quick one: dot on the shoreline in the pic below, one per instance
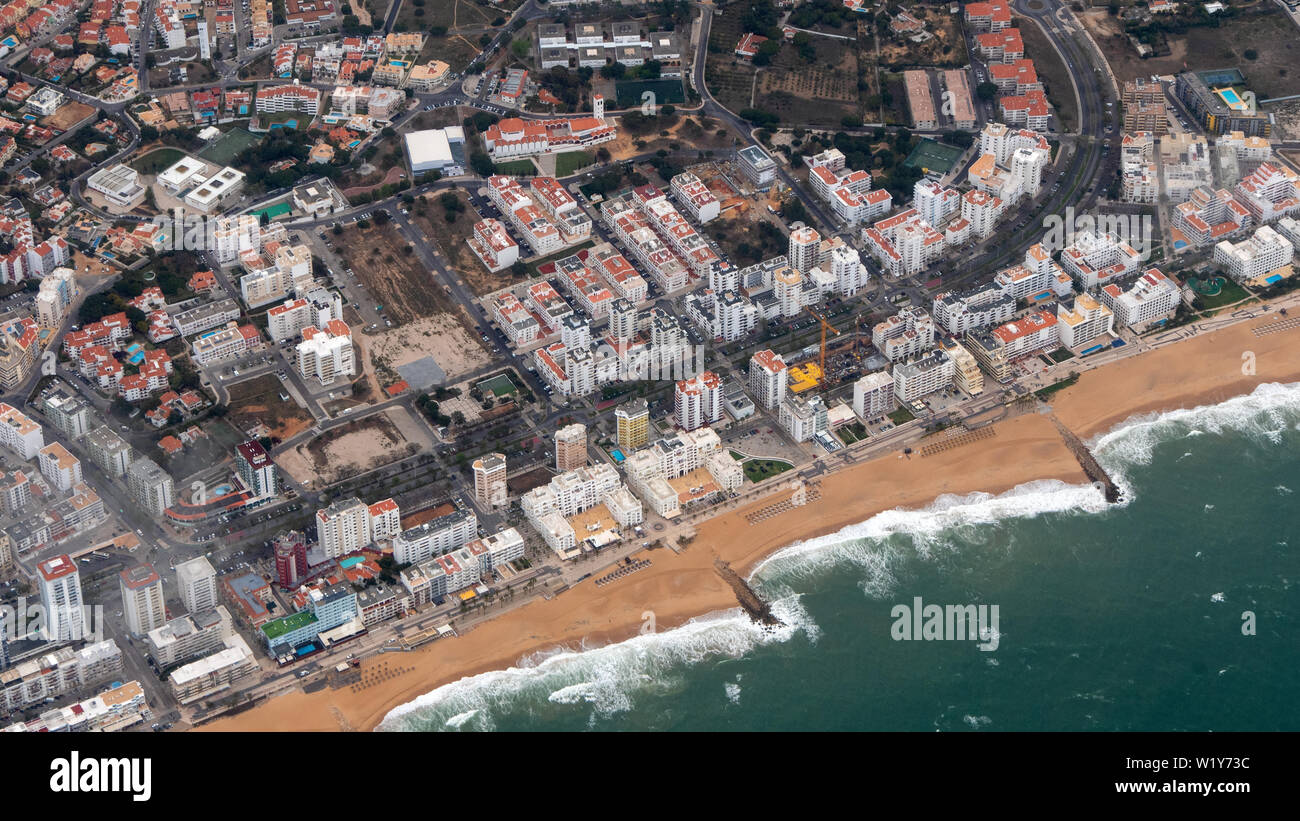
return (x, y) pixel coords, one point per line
(1206, 369)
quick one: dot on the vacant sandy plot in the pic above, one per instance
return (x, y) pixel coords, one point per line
(361, 445)
(258, 400)
(68, 115)
(440, 336)
(392, 273)
(1267, 35)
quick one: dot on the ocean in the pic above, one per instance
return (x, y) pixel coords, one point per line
(1176, 609)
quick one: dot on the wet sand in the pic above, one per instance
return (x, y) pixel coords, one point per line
(677, 587)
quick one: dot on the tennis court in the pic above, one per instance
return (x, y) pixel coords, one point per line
(933, 156)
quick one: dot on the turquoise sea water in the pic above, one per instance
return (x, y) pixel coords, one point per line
(1123, 617)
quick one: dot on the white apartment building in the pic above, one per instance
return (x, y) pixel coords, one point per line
(804, 245)
(143, 603)
(235, 236)
(19, 433)
(873, 395)
(436, 537)
(694, 197)
(151, 486)
(980, 307)
(60, 467)
(1255, 256)
(1151, 298)
(698, 401)
(922, 377)
(196, 581)
(1270, 192)
(905, 243)
(343, 527)
(1085, 320)
(905, 334)
(60, 586)
(490, 480)
(492, 244)
(326, 354)
(803, 418)
(1097, 258)
(768, 378)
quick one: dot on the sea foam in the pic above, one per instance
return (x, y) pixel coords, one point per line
(609, 678)
(1267, 412)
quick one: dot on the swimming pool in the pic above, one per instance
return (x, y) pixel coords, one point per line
(618, 455)
(351, 562)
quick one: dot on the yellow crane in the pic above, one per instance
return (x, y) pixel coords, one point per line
(821, 356)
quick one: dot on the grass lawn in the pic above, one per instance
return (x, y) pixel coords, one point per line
(756, 470)
(1229, 292)
(852, 433)
(901, 416)
(571, 161)
(517, 168)
(157, 160)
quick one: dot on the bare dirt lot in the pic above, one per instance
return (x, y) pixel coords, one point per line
(430, 215)
(361, 445)
(258, 400)
(455, 349)
(392, 273)
(68, 115)
(1267, 33)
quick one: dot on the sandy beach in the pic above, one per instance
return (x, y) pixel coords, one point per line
(677, 587)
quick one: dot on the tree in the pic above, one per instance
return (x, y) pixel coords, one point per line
(482, 164)
(986, 91)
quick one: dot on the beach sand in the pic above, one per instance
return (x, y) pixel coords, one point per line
(677, 587)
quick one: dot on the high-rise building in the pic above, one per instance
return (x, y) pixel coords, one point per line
(873, 395)
(343, 527)
(633, 420)
(1083, 321)
(151, 486)
(698, 401)
(803, 418)
(255, 469)
(143, 602)
(490, 480)
(571, 447)
(768, 378)
(805, 243)
(61, 597)
(290, 559)
(196, 581)
(923, 376)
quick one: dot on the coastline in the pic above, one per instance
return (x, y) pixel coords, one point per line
(1206, 369)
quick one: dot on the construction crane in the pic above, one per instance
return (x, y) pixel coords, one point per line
(821, 356)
